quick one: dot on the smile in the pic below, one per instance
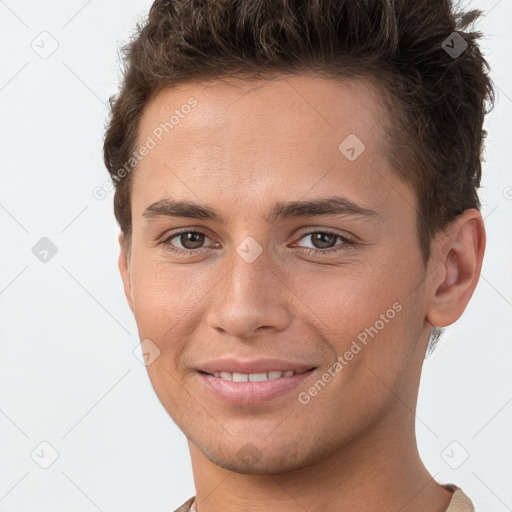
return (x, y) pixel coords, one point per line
(253, 377)
(253, 388)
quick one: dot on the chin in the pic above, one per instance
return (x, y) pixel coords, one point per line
(252, 460)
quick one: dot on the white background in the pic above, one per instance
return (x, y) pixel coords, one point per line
(68, 374)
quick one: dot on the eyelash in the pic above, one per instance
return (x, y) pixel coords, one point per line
(307, 250)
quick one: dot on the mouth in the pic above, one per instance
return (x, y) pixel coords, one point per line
(256, 377)
(251, 389)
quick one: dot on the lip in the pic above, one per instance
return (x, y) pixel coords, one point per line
(252, 393)
(233, 365)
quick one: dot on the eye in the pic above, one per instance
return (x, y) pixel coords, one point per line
(325, 242)
(191, 242)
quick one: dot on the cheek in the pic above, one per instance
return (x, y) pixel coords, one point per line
(371, 325)
(347, 299)
(171, 306)
(164, 301)
(365, 312)
(165, 308)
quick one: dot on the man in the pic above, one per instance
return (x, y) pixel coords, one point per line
(296, 186)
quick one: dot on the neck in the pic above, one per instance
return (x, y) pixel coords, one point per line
(361, 478)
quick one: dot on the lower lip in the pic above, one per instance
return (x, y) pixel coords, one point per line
(252, 393)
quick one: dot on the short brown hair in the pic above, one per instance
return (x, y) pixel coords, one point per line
(435, 100)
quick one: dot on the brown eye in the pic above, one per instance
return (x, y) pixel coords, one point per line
(322, 240)
(191, 239)
(185, 242)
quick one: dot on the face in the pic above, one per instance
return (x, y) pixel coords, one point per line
(302, 247)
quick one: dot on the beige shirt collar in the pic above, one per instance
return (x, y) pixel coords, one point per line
(459, 502)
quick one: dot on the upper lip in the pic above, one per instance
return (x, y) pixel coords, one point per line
(232, 365)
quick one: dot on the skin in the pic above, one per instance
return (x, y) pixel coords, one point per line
(245, 146)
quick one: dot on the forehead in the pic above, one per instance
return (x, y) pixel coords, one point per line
(256, 139)
(259, 107)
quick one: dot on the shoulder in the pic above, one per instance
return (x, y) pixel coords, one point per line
(186, 506)
(460, 502)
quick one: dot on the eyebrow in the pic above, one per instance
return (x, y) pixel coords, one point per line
(336, 205)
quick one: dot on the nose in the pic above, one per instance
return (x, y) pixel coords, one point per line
(252, 297)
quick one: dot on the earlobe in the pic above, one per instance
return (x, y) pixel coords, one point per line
(124, 269)
(456, 264)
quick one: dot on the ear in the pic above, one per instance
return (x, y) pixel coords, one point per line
(124, 268)
(454, 268)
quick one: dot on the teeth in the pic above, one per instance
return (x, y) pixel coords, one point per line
(253, 377)
(239, 377)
